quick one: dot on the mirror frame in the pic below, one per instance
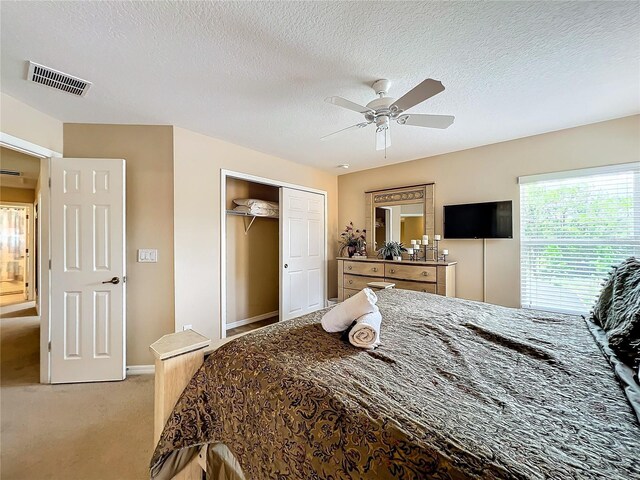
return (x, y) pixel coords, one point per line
(399, 196)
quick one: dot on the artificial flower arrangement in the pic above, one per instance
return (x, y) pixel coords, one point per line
(353, 241)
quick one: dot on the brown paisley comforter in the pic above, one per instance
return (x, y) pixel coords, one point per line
(458, 389)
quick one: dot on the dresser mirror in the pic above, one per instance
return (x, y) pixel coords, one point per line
(399, 214)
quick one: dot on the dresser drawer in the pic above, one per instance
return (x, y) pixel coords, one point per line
(417, 286)
(418, 273)
(348, 292)
(364, 268)
(357, 282)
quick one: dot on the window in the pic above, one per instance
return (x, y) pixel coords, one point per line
(573, 227)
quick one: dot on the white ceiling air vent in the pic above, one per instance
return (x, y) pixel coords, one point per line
(58, 80)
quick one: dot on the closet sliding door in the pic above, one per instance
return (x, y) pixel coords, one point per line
(302, 272)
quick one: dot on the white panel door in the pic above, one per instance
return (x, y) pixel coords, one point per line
(87, 270)
(303, 268)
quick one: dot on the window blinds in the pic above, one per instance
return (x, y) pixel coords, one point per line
(574, 226)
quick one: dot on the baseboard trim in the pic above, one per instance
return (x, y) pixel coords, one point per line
(257, 318)
(141, 369)
(15, 307)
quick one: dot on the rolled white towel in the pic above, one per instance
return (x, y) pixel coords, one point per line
(340, 317)
(366, 332)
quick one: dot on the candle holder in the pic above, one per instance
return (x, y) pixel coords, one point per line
(432, 253)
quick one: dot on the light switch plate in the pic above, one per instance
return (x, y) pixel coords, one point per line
(147, 255)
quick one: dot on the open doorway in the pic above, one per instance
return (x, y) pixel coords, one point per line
(15, 237)
(18, 195)
(20, 322)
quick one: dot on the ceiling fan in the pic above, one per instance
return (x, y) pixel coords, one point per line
(382, 110)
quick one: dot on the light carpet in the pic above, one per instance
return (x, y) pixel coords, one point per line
(90, 431)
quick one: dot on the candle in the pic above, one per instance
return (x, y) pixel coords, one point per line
(436, 237)
(425, 239)
(413, 242)
(445, 252)
(410, 251)
(418, 242)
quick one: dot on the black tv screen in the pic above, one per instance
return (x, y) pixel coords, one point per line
(479, 220)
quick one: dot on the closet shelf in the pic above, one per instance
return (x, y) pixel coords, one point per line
(253, 218)
(243, 214)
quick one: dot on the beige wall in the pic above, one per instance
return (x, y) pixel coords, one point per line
(148, 151)
(490, 173)
(197, 163)
(22, 121)
(20, 195)
(28, 165)
(252, 259)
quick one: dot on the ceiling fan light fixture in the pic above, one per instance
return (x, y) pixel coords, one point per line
(343, 165)
(382, 122)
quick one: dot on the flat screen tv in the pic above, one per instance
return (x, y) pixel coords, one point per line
(479, 220)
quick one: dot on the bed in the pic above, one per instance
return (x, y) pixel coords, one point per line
(457, 390)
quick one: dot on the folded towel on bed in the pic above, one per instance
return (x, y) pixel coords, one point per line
(366, 332)
(342, 315)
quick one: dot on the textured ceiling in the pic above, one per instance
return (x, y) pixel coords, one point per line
(256, 73)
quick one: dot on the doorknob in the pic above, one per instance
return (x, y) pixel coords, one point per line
(114, 280)
(286, 265)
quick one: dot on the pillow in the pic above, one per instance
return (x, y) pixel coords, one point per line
(258, 211)
(249, 202)
(243, 209)
(617, 310)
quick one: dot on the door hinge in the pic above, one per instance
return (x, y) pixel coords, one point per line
(124, 279)
(49, 182)
(49, 264)
(49, 345)
(26, 284)
(27, 216)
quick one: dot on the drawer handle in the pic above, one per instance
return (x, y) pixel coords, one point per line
(424, 290)
(350, 282)
(425, 274)
(374, 269)
(349, 267)
(393, 271)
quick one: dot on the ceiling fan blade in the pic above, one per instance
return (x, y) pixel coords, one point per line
(430, 121)
(344, 103)
(383, 139)
(418, 94)
(358, 125)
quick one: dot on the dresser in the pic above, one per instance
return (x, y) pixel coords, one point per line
(429, 277)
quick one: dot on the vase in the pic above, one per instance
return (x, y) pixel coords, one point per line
(351, 251)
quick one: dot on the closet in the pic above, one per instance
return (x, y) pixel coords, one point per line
(252, 255)
(274, 251)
